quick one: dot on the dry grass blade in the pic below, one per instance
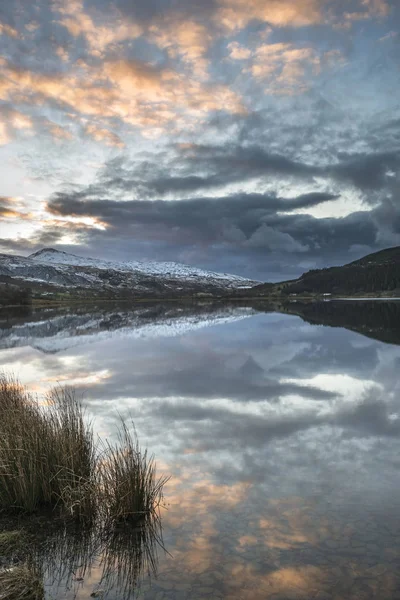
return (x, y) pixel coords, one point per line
(47, 453)
(49, 460)
(21, 583)
(128, 481)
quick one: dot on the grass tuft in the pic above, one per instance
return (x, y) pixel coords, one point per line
(47, 453)
(49, 460)
(129, 486)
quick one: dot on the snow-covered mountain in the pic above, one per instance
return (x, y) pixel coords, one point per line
(158, 269)
(51, 270)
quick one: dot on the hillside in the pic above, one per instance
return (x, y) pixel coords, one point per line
(377, 273)
(57, 274)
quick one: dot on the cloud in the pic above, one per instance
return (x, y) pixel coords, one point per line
(186, 40)
(284, 67)
(133, 92)
(237, 14)
(8, 30)
(223, 131)
(11, 122)
(234, 232)
(4, 135)
(238, 52)
(195, 168)
(8, 208)
(268, 237)
(103, 135)
(99, 35)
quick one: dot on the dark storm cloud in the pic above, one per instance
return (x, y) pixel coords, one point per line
(246, 225)
(185, 212)
(205, 167)
(243, 236)
(243, 221)
(227, 165)
(366, 171)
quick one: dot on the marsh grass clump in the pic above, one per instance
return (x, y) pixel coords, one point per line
(47, 452)
(52, 468)
(50, 460)
(21, 582)
(129, 485)
(13, 542)
(72, 457)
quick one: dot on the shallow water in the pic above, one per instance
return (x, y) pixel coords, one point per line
(281, 439)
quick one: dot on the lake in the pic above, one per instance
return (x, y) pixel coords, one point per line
(280, 432)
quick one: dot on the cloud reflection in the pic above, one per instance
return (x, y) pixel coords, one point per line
(282, 439)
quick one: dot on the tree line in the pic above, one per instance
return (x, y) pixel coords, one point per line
(349, 280)
(14, 295)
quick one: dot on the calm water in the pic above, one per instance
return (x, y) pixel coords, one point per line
(281, 439)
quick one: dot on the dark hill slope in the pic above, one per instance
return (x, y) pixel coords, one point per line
(387, 256)
(375, 273)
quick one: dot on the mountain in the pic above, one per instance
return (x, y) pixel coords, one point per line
(377, 273)
(61, 276)
(52, 272)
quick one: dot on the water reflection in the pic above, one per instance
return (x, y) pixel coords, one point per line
(87, 560)
(282, 438)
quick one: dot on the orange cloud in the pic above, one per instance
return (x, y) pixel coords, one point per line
(284, 67)
(10, 122)
(238, 52)
(366, 9)
(136, 93)
(104, 135)
(19, 120)
(62, 53)
(8, 30)
(236, 14)
(9, 209)
(185, 40)
(76, 223)
(58, 132)
(378, 8)
(99, 35)
(32, 26)
(79, 378)
(4, 135)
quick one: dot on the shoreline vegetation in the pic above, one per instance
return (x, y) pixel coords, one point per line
(53, 471)
(283, 299)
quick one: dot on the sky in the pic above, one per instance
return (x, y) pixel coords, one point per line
(258, 137)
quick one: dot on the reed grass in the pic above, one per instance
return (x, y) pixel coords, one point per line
(47, 453)
(49, 459)
(129, 485)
